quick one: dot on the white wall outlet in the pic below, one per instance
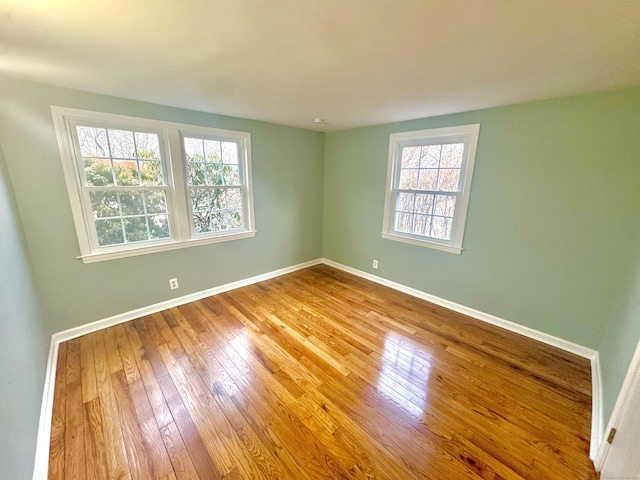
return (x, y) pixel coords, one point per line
(375, 263)
(173, 283)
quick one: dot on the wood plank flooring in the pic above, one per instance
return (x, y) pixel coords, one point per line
(317, 375)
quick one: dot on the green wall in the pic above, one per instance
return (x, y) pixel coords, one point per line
(24, 344)
(621, 337)
(287, 174)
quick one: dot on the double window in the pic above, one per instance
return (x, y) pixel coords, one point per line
(140, 186)
(428, 186)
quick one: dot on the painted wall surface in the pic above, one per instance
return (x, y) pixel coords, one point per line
(620, 338)
(23, 356)
(287, 175)
(553, 220)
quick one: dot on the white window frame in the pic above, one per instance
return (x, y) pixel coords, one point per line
(467, 134)
(178, 205)
(206, 134)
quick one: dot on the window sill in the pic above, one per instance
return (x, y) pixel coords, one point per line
(163, 247)
(422, 243)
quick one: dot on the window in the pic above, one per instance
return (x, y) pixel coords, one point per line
(428, 185)
(140, 186)
(214, 184)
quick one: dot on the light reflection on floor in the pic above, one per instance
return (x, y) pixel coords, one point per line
(238, 347)
(404, 374)
(241, 345)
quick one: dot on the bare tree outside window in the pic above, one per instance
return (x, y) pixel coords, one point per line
(428, 186)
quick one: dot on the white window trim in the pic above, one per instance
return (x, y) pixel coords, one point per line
(464, 133)
(171, 146)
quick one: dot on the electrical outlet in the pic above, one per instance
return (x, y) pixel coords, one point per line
(173, 283)
(375, 263)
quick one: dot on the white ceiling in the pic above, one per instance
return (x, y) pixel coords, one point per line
(351, 62)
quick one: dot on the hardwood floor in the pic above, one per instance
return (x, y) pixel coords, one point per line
(317, 375)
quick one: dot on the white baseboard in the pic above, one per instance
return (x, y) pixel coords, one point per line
(597, 416)
(622, 402)
(585, 352)
(41, 467)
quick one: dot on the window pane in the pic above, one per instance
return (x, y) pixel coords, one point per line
(422, 224)
(231, 175)
(218, 221)
(430, 156)
(217, 199)
(452, 155)
(121, 143)
(126, 172)
(408, 178)
(234, 198)
(151, 173)
(404, 222)
(410, 157)
(98, 172)
(156, 201)
(193, 149)
(428, 179)
(424, 203)
(234, 218)
(200, 200)
(405, 202)
(131, 203)
(449, 179)
(159, 226)
(109, 232)
(444, 205)
(441, 228)
(214, 174)
(202, 221)
(212, 151)
(104, 204)
(147, 146)
(195, 174)
(93, 142)
(230, 152)
(135, 229)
